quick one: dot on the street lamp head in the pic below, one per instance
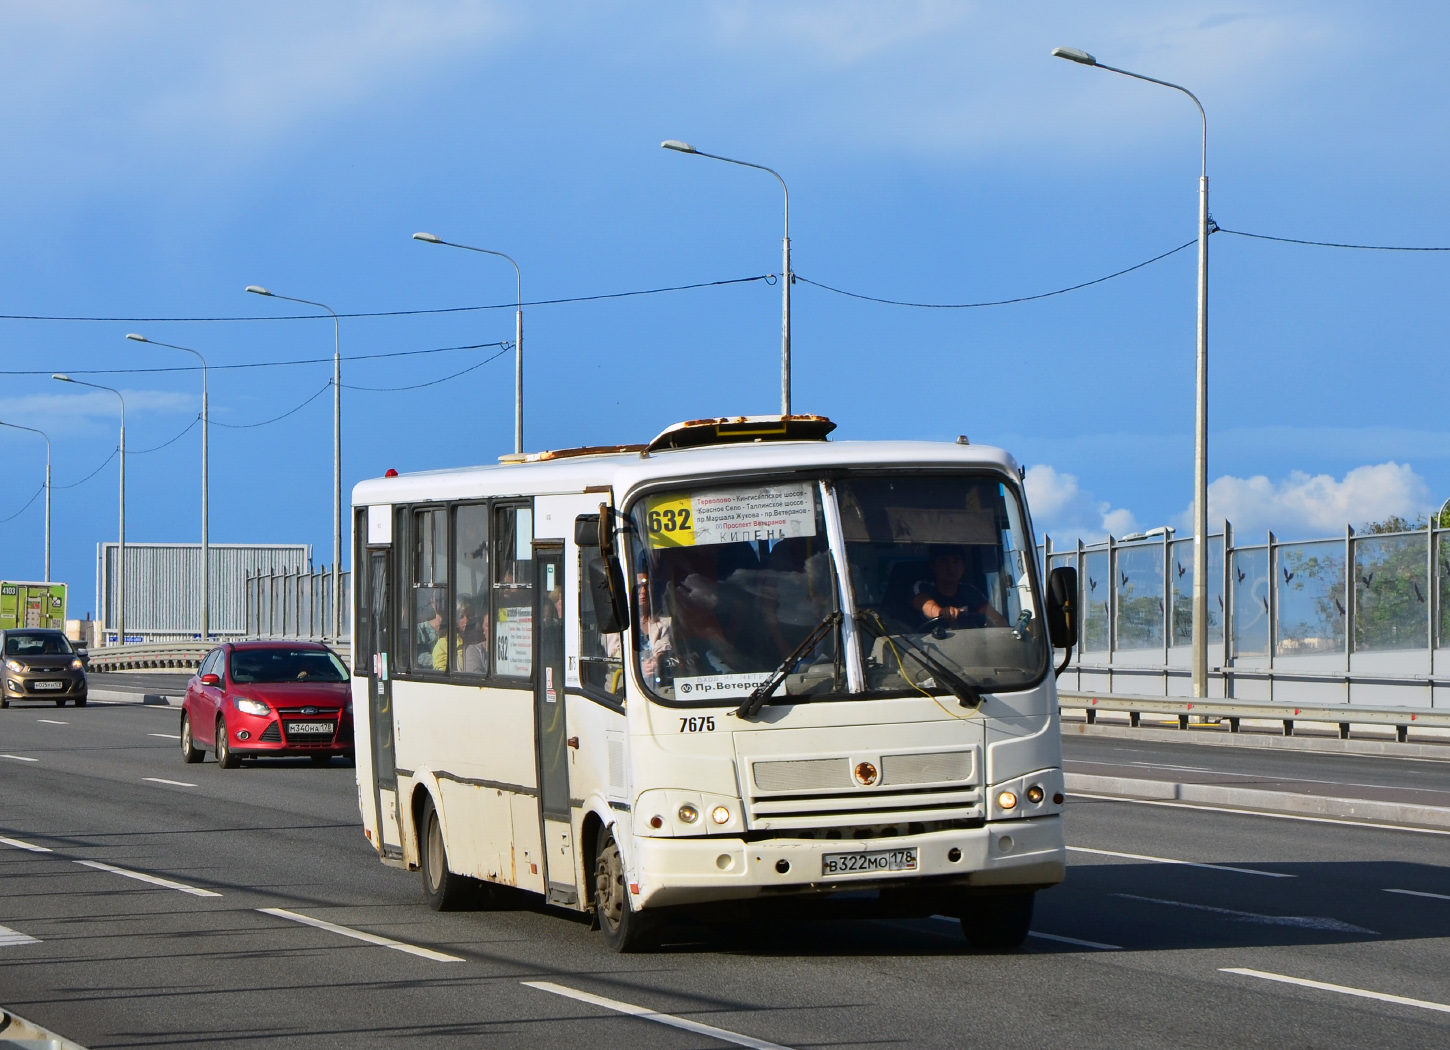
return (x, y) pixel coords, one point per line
(1072, 54)
(428, 237)
(257, 289)
(62, 377)
(138, 338)
(678, 146)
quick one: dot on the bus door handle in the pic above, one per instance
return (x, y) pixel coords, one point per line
(573, 742)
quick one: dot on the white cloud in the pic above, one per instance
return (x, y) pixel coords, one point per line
(62, 413)
(1061, 507)
(1305, 506)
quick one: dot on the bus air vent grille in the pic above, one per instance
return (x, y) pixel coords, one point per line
(803, 774)
(937, 767)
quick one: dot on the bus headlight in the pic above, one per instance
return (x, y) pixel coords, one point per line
(720, 815)
(689, 814)
(1034, 794)
(1007, 800)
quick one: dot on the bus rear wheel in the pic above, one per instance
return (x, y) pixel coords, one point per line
(624, 929)
(997, 922)
(446, 890)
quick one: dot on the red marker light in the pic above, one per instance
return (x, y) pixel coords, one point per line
(391, 473)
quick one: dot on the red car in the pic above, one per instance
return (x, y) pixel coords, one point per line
(249, 699)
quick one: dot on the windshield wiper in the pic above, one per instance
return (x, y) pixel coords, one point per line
(757, 699)
(966, 691)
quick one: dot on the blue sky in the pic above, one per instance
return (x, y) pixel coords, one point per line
(159, 157)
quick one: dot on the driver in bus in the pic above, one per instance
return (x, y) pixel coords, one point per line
(950, 598)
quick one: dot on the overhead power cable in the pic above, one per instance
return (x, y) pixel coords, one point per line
(248, 426)
(77, 484)
(26, 506)
(431, 382)
(512, 304)
(157, 448)
(254, 364)
(1333, 244)
(999, 302)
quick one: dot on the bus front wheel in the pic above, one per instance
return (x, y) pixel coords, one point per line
(997, 922)
(446, 890)
(624, 929)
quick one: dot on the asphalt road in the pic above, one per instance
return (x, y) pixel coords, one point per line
(1129, 952)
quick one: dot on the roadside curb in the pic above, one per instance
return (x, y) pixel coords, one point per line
(1220, 738)
(1258, 798)
(17, 1031)
(117, 696)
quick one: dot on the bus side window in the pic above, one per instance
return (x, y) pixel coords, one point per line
(601, 656)
(470, 590)
(512, 635)
(430, 588)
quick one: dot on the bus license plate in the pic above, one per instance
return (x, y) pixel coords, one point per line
(876, 860)
(48, 685)
(312, 728)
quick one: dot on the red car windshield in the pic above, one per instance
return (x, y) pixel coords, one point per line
(286, 665)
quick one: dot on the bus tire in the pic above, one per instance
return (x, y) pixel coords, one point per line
(190, 753)
(997, 922)
(446, 890)
(624, 929)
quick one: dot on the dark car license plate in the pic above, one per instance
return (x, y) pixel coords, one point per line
(38, 686)
(311, 728)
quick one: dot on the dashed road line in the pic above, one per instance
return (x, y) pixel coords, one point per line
(1074, 940)
(1262, 813)
(173, 783)
(20, 758)
(19, 844)
(166, 736)
(1302, 922)
(1342, 989)
(359, 935)
(1186, 863)
(154, 880)
(52, 722)
(653, 1015)
(1422, 893)
(11, 938)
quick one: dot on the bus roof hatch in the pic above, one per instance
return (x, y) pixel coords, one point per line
(729, 430)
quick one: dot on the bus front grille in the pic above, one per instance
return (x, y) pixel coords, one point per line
(782, 812)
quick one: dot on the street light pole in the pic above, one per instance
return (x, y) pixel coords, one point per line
(205, 485)
(17, 426)
(1200, 429)
(336, 451)
(786, 273)
(121, 546)
(428, 238)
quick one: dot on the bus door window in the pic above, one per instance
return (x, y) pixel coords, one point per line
(513, 596)
(601, 656)
(429, 600)
(470, 590)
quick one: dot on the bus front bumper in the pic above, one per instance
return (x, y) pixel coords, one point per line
(1003, 854)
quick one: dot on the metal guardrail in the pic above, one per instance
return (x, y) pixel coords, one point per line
(166, 656)
(1232, 711)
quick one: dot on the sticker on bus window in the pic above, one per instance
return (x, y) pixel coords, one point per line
(710, 686)
(514, 641)
(765, 512)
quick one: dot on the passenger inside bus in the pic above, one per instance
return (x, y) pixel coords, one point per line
(469, 645)
(948, 597)
(432, 625)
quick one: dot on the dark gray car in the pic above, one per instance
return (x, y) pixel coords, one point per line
(40, 664)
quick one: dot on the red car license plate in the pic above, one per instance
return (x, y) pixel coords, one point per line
(311, 728)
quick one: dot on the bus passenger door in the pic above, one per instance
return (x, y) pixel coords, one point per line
(552, 727)
(380, 703)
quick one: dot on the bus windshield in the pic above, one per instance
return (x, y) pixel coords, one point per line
(730, 581)
(939, 570)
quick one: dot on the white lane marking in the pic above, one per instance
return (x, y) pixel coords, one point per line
(1051, 937)
(1302, 922)
(20, 758)
(1422, 893)
(1073, 940)
(1263, 813)
(155, 880)
(1250, 776)
(359, 935)
(652, 1015)
(1186, 863)
(173, 783)
(1342, 989)
(166, 736)
(11, 938)
(52, 722)
(18, 844)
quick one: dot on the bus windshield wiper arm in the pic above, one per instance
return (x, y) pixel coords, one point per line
(960, 686)
(757, 699)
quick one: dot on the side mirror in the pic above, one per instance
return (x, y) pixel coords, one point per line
(1062, 607)
(211, 679)
(606, 579)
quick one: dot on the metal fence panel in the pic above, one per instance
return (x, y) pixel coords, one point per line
(1309, 582)
(1138, 581)
(1249, 601)
(1391, 592)
(1095, 581)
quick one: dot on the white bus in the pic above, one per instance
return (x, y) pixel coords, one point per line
(741, 662)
